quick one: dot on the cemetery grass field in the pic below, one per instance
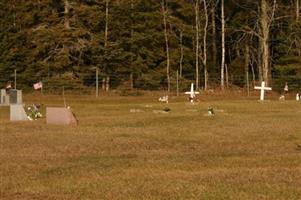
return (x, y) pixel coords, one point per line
(248, 150)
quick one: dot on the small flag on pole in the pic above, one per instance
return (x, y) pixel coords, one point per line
(8, 86)
(38, 85)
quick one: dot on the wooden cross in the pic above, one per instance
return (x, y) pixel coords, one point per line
(262, 89)
(192, 93)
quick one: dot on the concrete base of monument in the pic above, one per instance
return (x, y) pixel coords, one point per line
(60, 116)
(17, 113)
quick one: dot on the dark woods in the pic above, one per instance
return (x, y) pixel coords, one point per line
(147, 43)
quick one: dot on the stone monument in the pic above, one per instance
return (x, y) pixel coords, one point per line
(15, 96)
(60, 116)
(11, 97)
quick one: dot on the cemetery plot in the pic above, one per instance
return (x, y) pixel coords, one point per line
(247, 150)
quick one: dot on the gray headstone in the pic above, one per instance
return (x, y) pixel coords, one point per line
(15, 96)
(2, 96)
(17, 113)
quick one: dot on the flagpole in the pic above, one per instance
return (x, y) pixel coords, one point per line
(41, 88)
(64, 96)
(15, 79)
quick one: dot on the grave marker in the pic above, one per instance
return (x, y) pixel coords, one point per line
(4, 98)
(60, 116)
(164, 99)
(192, 93)
(262, 89)
(13, 97)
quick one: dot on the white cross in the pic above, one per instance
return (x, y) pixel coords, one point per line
(192, 93)
(262, 89)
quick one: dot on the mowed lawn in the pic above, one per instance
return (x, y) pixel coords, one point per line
(248, 150)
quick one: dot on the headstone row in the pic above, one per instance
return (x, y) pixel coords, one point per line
(54, 115)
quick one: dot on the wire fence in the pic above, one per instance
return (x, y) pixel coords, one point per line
(89, 83)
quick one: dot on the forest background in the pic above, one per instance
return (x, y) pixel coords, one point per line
(149, 44)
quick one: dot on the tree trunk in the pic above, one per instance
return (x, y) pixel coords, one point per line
(264, 40)
(253, 74)
(182, 53)
(164, 11)
(103, 83)
(227, 76)
(66, 14)
(297, 10)
(197, 45)
(106, 24)
(14, 14)
(214, 49)
(132, 80)
(132, 36)
(259, 64)
(108, 83)
(205, 47)
(107, 80)
(223, 47)
(247, 62)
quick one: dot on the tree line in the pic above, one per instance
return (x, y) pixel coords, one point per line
(141, 43)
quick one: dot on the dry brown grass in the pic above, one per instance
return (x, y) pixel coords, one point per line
(247, 151)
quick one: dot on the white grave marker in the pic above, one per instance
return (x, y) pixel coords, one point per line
(192, 93)
(164, 99)
(262, 89)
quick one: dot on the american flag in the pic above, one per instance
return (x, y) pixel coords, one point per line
(38, 85)
(8, 86)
